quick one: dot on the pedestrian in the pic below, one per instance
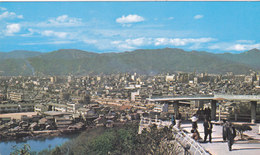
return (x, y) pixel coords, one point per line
(224, 132)
(194, 120)
(173, 120)
(207, 113)
(178, 121)
(194, 130)
(207, 129)
(230, 134)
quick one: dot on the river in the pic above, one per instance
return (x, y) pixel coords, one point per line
(35, 144)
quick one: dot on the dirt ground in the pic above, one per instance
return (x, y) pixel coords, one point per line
(18, 115)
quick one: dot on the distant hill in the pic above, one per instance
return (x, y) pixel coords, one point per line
(16, 63)
(251, 58)
(78, 62)
(18, 54)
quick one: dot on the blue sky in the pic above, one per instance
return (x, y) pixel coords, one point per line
(126, 26)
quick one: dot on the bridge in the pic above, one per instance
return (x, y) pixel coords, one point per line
(253, 99)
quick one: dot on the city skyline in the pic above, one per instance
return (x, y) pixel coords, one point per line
(125, 26)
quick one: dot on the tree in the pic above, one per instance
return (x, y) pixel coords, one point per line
(25, 150)
(242, 128)
(56, 151)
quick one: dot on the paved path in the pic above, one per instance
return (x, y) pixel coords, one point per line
(218, 147)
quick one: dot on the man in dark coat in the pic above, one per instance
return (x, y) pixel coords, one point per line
(173, 120)
(207, 129)
(224, 133)
(230, 134)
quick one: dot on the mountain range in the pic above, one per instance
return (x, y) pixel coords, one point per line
(78, 62)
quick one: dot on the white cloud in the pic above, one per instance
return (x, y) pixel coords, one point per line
(243, 46)
(198, 16)
(61, 21)
(30, 33)
(139, 42)
(90, 41)
(122, 45)
(246, 41)
(125, 47)
(181, 42)
(49, 43)
(133, 42)
(11, 29)
(170, 18)
(50, 33)
(215, 47)
(10, 15)
(2, 9)
(127, 20)
(65, 19)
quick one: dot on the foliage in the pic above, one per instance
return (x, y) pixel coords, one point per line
(119, 140)
(24, 150)
(242, 128)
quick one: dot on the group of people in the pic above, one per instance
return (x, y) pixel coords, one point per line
(207, 128)
(203, 112)
(228, 133)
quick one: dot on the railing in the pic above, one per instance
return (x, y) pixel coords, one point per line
(189, 144)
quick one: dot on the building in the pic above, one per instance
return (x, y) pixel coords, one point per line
(14, 96)
(72, 107)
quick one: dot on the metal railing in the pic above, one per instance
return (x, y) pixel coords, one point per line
(188, 143)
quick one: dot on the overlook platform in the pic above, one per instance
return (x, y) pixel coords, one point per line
(218, 147)
(253, 99)
(205, 97)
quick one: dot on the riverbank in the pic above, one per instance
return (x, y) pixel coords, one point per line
(37, 144)
(28, 135)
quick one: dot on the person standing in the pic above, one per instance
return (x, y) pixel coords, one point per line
(178, 121)
(194, 130)
(207, 129)
(230, 134)
(194, 120)
(173, 120)
(224, 131)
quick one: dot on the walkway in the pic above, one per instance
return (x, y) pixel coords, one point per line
(218, 147)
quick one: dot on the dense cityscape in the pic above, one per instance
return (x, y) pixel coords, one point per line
(72, 103)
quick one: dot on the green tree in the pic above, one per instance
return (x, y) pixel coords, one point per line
(24, 150)
(241, 128)
(56, 151)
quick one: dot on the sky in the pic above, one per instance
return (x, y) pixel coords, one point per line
(126, 26)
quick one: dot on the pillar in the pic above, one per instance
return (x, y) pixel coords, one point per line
(201, 104)
(253, 111)
(213, 109)
(176, 108)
